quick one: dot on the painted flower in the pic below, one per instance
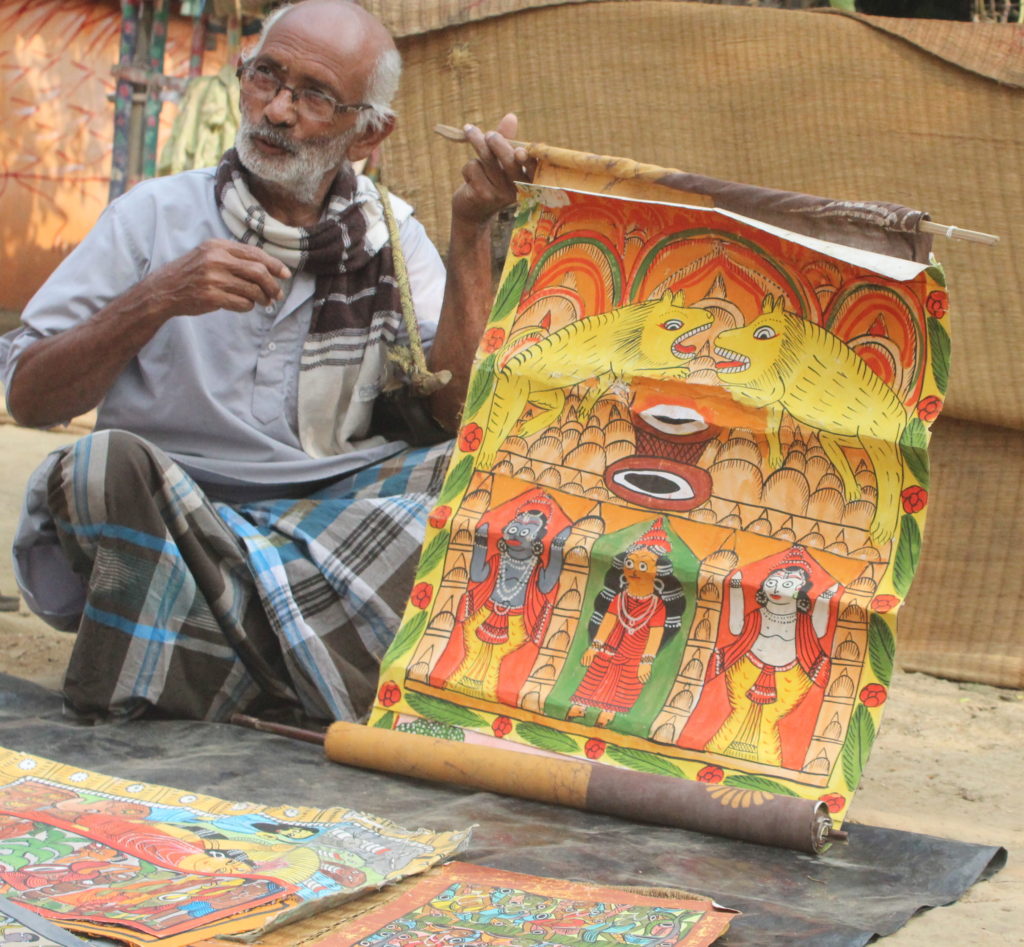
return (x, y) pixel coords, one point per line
(439, 516)
(501, 726)
(835, 801)
(937, 303)
(928, 408)
(884, 603)
(711, 774)
(522, 242)
(914, 498)
(470, 437)
(494, 339)
(422, 593)
(389, 694)
(873, 695)
(595, 749)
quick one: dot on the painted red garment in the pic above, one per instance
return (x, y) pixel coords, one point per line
(515, 667)
(797, 728)
(611, 681)
(537, 608)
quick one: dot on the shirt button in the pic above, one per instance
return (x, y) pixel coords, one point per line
(270, 308)
(271, 346)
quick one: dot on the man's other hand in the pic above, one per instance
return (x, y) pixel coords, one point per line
(489, 178)
(218, 274)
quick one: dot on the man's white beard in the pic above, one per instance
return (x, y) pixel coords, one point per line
(301, 170)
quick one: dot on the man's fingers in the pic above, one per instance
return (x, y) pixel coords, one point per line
(257, 273)
(235, 303)
(258, 255)
(508, 127)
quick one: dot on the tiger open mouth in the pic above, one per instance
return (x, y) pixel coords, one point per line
(679, 350)
(733, 361)
(674, 419)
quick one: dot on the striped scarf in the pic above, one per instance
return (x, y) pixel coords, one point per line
(357, 309)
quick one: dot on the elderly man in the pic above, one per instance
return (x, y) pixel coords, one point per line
(237, 536)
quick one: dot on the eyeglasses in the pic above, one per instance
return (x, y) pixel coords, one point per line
(261, 83)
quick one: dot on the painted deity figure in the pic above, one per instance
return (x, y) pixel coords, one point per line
(774, 659)
(637, 609)
(503, 616)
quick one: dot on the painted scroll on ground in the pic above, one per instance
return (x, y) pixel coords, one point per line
(147, 864)
(686, 502)
(476, 906)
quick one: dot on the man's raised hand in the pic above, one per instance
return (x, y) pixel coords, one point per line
(489, 178)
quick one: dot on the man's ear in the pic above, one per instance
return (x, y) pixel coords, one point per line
(365, 142)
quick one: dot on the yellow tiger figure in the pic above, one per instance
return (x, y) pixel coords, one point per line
(648, 339)
(785, 363)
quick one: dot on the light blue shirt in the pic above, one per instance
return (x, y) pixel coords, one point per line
(217, 392)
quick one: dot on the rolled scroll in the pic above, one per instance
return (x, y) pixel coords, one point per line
(748, 815)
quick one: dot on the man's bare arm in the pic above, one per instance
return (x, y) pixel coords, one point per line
(488, 186)
(67, 374)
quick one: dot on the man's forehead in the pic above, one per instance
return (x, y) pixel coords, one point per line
(326, 39)
(336, 26)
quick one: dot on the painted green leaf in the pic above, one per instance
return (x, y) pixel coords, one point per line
(433, 728)
(881, 648)
(522, 217)
(457, 480)
(936, 273)
(547, 738)
(857, 747)
(908, 552)
(433, 708)
(643, 761)
(938, 340)
(509, 292)
(480, 386)
(914, 445)
(758, 784)
(387, 720)
(407, 636)
(433, 554)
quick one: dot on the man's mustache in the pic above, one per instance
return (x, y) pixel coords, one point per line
(272, 136)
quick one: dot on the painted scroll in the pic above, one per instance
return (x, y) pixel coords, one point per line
(686, 504)
(472, 905)
(145, 863)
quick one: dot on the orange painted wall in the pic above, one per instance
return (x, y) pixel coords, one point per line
(56, 128)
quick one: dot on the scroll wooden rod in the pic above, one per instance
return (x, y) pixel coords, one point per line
(451, 133)
(958, 233)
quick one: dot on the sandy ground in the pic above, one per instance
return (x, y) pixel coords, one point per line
(946, 762)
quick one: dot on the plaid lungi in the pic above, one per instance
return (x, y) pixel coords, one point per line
(202, 609)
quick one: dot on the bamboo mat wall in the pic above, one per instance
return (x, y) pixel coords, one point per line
(819, 103)
(799, 101)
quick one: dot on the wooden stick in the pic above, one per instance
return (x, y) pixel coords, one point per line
(451, 133)
(457, 134)
(295, 733)
(958, 233)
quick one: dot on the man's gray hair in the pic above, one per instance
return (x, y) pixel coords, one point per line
(380, 88)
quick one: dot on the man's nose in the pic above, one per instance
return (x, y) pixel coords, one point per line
(281, 110)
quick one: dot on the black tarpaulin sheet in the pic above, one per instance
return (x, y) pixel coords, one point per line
(868, 886)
